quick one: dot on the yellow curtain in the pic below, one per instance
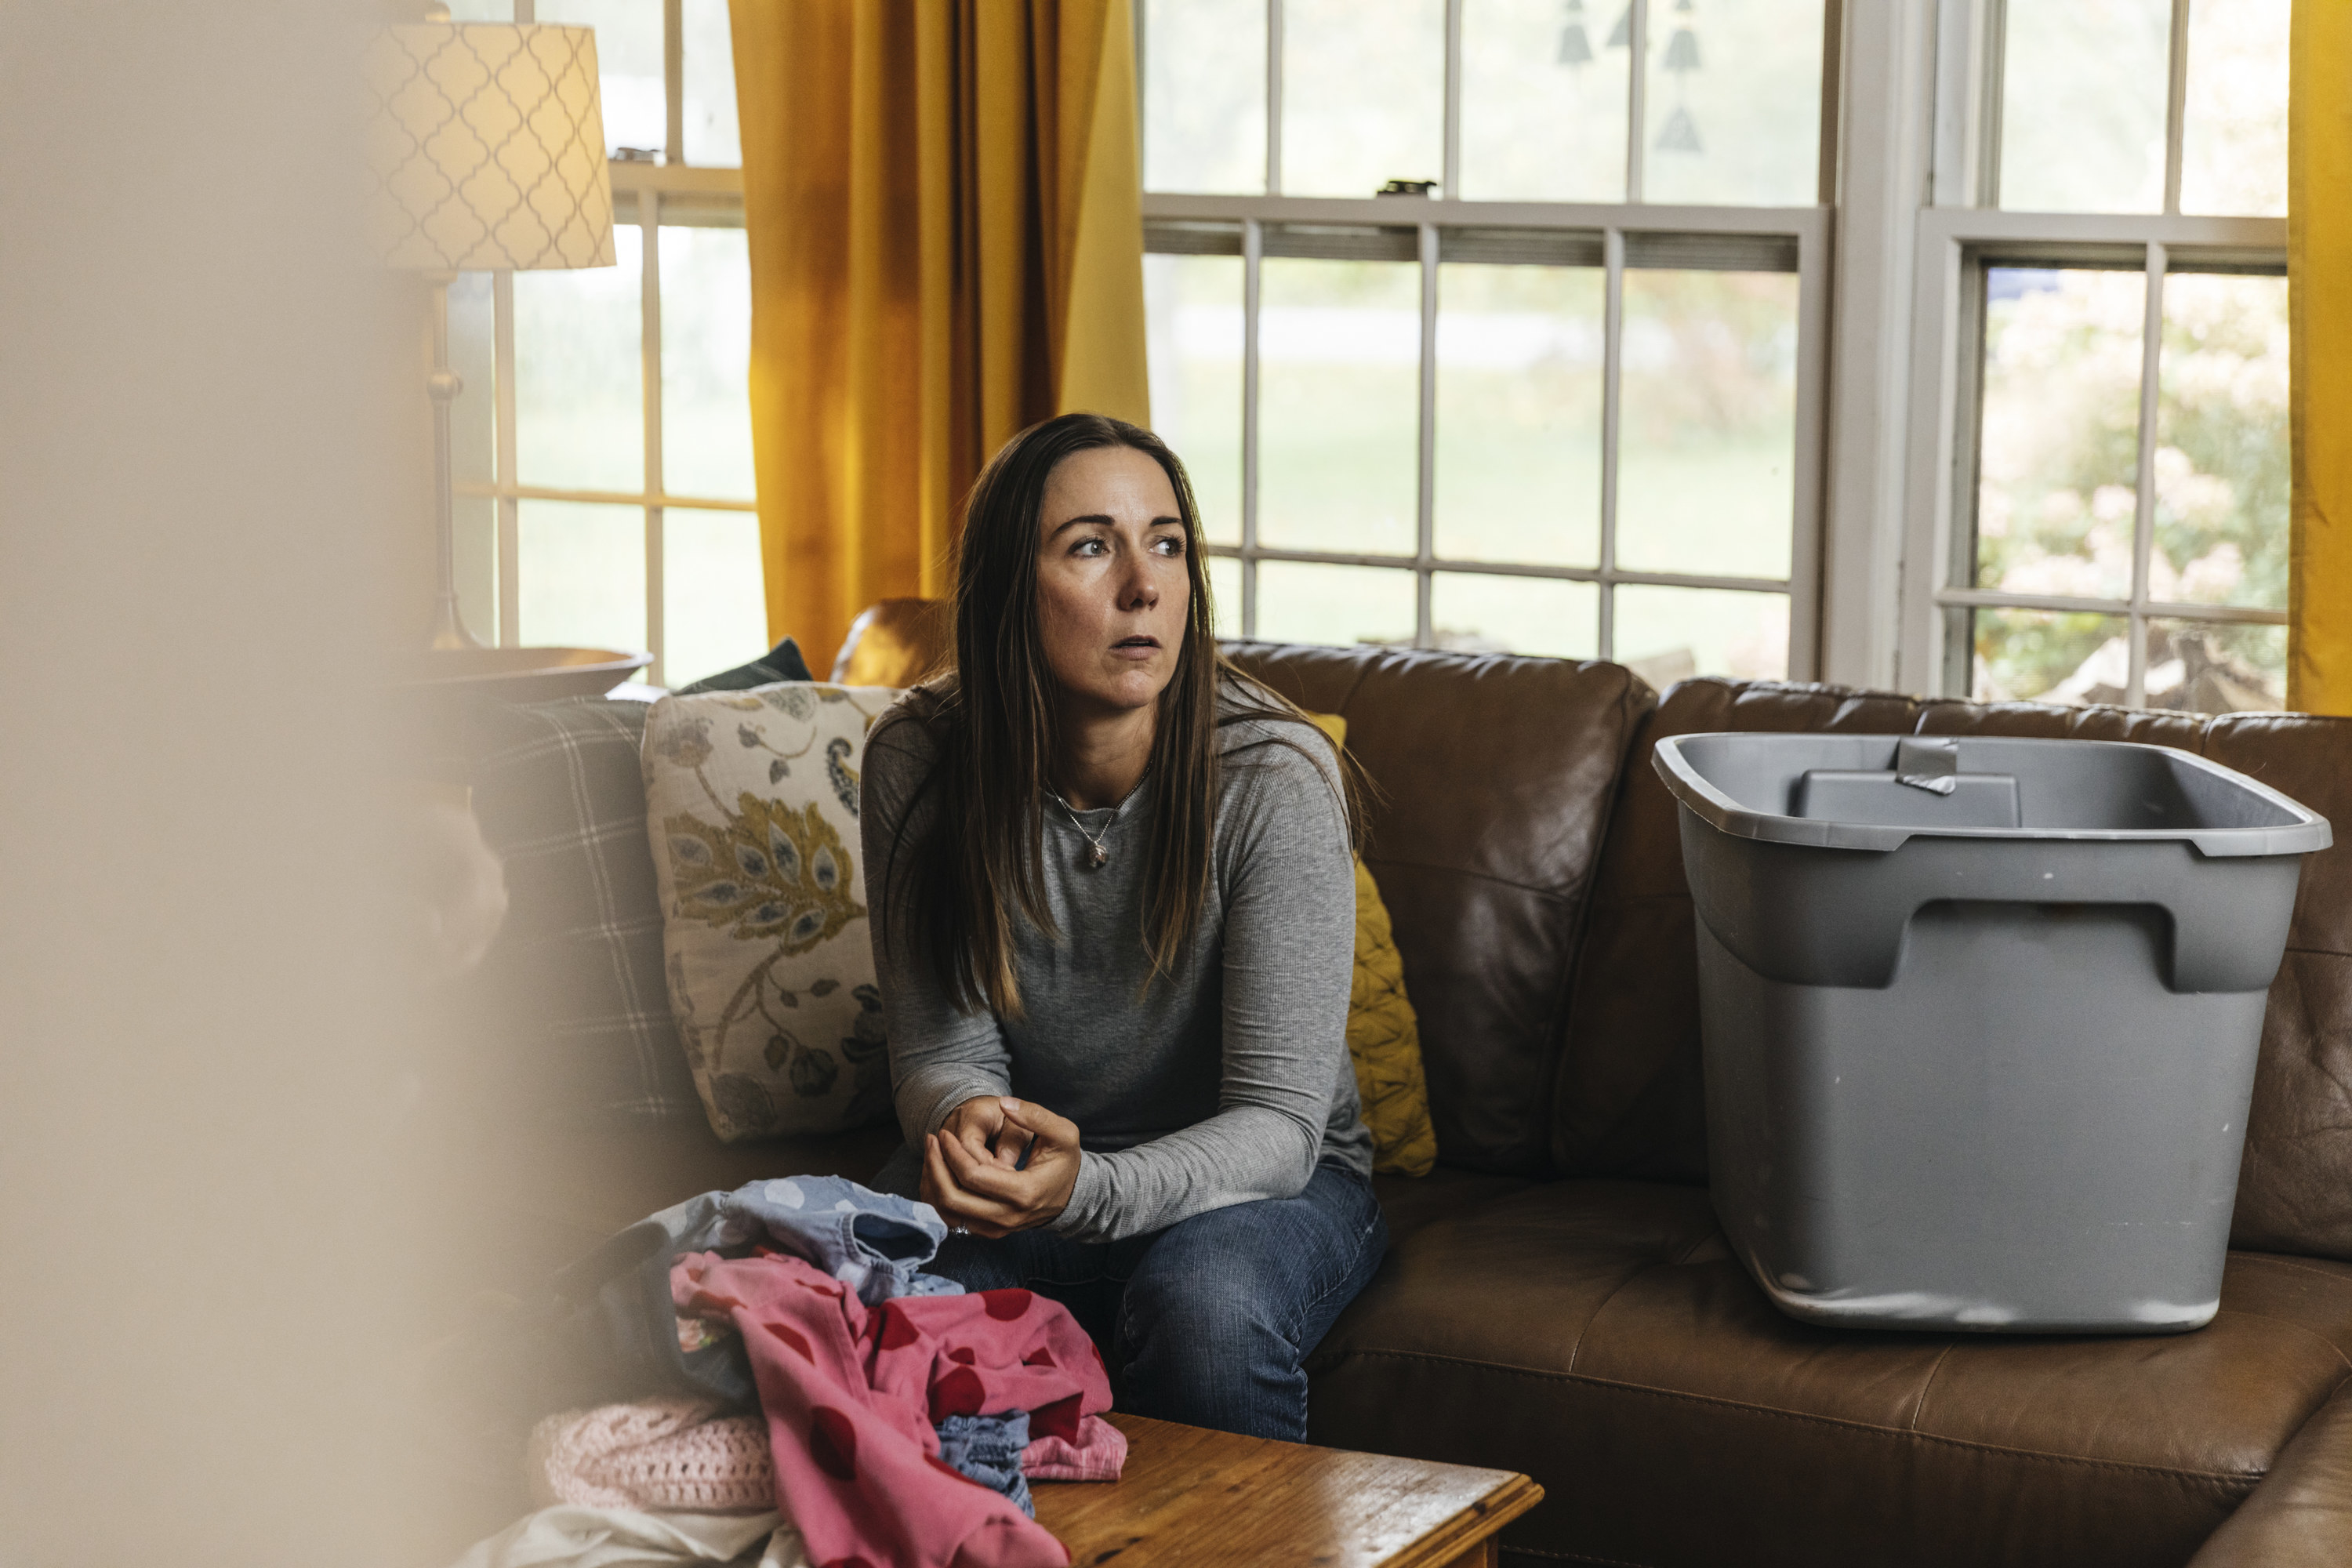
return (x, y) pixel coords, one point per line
(2320, 288)
(946, 246)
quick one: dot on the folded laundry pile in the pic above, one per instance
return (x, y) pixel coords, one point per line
(797, 1378)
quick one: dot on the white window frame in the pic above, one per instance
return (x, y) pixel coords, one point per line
(1188, 224)
(1958, 235)
(1885, 350)
(651, 195)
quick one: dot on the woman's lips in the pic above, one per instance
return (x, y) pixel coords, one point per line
(1137, 648)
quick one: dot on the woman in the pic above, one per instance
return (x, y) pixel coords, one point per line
(1114, 912)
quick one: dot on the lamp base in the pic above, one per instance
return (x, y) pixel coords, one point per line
(449, 633)
(520, 674)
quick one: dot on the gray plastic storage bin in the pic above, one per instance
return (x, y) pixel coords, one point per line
(1980, 1018)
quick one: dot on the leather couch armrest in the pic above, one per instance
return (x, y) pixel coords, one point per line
(2301, 1515)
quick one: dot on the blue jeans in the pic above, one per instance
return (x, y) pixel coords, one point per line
(1209, 1322)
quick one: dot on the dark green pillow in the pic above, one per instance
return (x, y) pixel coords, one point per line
(782, 662)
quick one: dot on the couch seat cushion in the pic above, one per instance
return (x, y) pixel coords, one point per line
(1410, 1202)
(1599, 1336)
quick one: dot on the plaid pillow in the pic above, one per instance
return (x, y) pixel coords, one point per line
(578, 968)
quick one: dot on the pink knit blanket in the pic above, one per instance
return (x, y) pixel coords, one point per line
(661, 1454)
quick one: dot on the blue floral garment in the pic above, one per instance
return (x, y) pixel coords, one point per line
(987, 1449)
(875, 1243)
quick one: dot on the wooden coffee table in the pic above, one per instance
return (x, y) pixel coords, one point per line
(1191, 1496)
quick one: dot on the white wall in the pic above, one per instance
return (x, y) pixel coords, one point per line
(204, 551)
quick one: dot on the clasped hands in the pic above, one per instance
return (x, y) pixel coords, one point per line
(998, 1164)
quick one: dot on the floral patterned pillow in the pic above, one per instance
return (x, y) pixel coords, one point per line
(751, 808)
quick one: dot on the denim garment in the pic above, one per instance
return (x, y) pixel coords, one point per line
(987, 1449)
(1211, 1320)
(875, 1243)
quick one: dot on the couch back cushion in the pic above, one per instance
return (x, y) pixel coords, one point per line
(1629, 1098)
(1494, 779)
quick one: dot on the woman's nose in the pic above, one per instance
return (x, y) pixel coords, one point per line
(1137, 592)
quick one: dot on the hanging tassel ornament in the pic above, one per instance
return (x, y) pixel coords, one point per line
(1575, 49)
(1680, 132)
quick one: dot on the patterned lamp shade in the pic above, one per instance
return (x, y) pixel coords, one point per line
(489, 148)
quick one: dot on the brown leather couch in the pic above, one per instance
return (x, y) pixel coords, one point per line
(1558, 1299)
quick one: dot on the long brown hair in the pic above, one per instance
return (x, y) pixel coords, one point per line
(995, 727)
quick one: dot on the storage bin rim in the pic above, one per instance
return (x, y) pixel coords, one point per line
(2307, 832)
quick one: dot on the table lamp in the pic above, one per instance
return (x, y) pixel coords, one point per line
(488, 145)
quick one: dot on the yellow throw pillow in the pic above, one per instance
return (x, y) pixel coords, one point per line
(1383, 1035)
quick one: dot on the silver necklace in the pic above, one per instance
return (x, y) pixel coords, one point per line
(1097, 854)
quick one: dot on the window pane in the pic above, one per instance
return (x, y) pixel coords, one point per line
(1363, 95)
(1706, 454)
(712, 137)
(1471, 613)
(629, 59)
(580, 419)
(2208, 667)
(2032, 655)
(2082, 115)
(582, 582)
(2221, 443)
(1302, 603)
(706, 284)
(714, 607)
(2058, 462)
(2233, 138)
(1225, 590)
(1205, 96)
(1519, 413)
(1733, 102)
(1192, 321)
(1543, 103)
(1668, 634)
(1338, 405)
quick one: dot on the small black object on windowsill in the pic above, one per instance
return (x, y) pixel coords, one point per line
(1409, 188)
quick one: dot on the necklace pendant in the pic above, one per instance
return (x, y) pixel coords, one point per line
(1097, 856)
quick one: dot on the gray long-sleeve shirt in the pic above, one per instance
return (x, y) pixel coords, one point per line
(1227, 1083)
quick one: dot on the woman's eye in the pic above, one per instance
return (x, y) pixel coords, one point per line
(1092, 547)
(1168, 545)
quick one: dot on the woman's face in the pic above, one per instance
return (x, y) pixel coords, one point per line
(1114, 590)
